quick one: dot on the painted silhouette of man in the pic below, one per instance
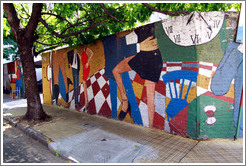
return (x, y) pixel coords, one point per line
(74, 63)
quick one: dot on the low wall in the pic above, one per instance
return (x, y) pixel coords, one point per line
(196, 54)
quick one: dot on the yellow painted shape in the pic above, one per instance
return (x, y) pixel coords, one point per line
(97, 61)
(203, 81)
(167, 101)
(47, 98)
(192, 93)
(138, 89)
(128, 118)
(230, 93)
(13, 86)
(62, 102)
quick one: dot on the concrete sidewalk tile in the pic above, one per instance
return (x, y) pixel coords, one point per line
(216, 151)
(81, 137)
(99, 146)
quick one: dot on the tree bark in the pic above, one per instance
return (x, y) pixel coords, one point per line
(25, 38)
(35, 110)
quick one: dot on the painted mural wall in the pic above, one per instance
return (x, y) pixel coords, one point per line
(183, 75)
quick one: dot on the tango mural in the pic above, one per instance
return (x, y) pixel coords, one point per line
(182, 75)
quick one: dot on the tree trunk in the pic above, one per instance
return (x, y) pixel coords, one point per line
(25, 39)
(35, 110)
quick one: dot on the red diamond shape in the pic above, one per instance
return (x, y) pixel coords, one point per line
(139, 80)
(92, 107)
(161, 88)
(88, 83)
(144, 95)
(105, 110)
(95, 88)
(105, 90)
(158, 121)
(97, 75)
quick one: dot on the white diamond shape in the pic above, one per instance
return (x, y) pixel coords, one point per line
(81, 88)
(144, 113)
(99, 101)
(102, 71)
(101, 82)
(167, 127)
(93, 79)
(132, 74)
(70, 96)
(109, 102)
(72, 105)
(160, 104)
(90, 93)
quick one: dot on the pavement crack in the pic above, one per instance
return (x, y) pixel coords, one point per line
(188, 151)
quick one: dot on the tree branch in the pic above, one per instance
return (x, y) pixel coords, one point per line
(12, 18)
(25, 11)
(71, 34)
(110, 15)
(46, 49)
(49, 44)
(33, 22)
(74, 25)
(58, 16)
(171, 13)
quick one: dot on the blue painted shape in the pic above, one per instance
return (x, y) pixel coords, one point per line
(238, 113)
(230, 67)
(136, 116)
(113, 97)
(180, 74)
(195, 65)
(226, 70)
(61, 84)
(239, 37)
(177, 104)
(115, 50)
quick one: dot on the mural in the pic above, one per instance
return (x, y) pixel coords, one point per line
(182, 75)
(15, 76)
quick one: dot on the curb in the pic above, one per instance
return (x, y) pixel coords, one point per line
(29, 131)
(35, 135)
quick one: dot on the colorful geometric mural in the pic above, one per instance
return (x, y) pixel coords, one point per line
(159, 75)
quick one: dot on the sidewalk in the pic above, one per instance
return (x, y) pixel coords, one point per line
(85, 138)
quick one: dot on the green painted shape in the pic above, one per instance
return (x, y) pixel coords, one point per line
(227, 36)
(224, 126)
(214, 50)
(197, 128)
(170, 51)
(193, 120)
(211, 51)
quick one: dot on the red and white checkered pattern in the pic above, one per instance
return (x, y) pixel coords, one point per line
(99, 93)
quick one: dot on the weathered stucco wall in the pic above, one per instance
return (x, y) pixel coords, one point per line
(197, 47)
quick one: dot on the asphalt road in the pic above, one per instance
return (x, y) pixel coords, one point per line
(20, 148)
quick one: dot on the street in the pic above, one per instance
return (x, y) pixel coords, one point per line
(20, 148)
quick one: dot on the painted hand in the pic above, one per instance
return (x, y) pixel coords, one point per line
(149, 44)
(87, 65)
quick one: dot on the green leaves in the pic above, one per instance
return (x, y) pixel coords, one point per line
(83, 23)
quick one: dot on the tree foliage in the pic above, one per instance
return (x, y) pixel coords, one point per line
(82, 23)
